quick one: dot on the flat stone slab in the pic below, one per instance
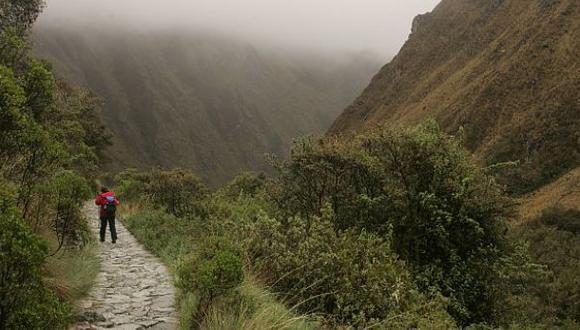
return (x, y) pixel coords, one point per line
(133, 290)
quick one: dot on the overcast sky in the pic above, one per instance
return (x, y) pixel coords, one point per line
(352, 25)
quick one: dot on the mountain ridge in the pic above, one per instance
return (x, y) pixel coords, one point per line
(505, 70)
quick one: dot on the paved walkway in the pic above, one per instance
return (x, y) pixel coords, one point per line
(133, 289)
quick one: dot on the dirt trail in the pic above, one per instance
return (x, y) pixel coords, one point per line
(133, 289)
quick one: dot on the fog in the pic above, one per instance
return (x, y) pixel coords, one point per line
(380, 26)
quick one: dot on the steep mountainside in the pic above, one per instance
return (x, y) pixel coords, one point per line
(508, 71)
(564, 192)
(204, 102)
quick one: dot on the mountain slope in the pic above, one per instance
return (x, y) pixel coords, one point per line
(564, 192)
(175, 99)
(508, 71)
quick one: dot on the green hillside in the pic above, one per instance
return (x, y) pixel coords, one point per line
(204, 102)
(506, 71)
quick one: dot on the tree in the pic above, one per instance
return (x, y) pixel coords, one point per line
(419, 189)
(24, 301)
(19, 14)
(46, 145)
(449, 216)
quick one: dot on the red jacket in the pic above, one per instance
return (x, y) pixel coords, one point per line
(101, 201)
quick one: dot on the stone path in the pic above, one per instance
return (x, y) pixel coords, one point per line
(133, 289)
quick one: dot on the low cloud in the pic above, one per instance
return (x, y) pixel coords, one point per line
(380, 26)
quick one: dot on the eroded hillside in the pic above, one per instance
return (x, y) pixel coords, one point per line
(208, 103)
(508, 71)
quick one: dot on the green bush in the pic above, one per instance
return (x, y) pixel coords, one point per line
(544, 144)
(553, 240)
(212, 272)
(12, 120)
(25, 303)
(560, 219)
(8, 194)
(219, 275)
(178, 191)
(164, 234)
(420, 189)
(60, 199)
(330, 172)
(247, 184)
(352, 278)
(19, 14)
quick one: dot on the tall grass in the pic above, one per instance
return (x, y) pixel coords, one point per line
(72, 272)
(257, 309)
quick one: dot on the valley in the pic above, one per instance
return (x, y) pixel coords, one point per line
(201, 101)
(263, 186)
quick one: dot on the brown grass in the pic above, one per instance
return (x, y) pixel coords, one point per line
(565, 191)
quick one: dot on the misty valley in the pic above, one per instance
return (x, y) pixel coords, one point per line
(306, 165)
(203, 102)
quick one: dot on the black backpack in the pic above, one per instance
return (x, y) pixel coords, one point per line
(110, 206)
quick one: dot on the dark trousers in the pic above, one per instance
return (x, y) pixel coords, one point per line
(111, 220)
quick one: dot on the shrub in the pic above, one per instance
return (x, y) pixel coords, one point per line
(178, 191)
(553, 240)
(329, 172)
(176, 240)
(164, 234)
(24, 301)
(213, 271)
(8, 193)
(12, 98)
(560, 219)
(351, 277)
(218, 275)
(447, 216)
(131, 184)
(58, 203)
(247, 184)
(19, 15)
(545, 145)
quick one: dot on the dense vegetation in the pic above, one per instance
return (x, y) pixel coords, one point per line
(393, 229)
(49, 146)
(551, 296)
(418, 189)
(216, 290)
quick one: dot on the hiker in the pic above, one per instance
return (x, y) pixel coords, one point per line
(107, 202)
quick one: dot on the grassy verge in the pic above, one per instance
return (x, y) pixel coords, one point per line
(257, 309)
(72, 273)
(253, 307)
